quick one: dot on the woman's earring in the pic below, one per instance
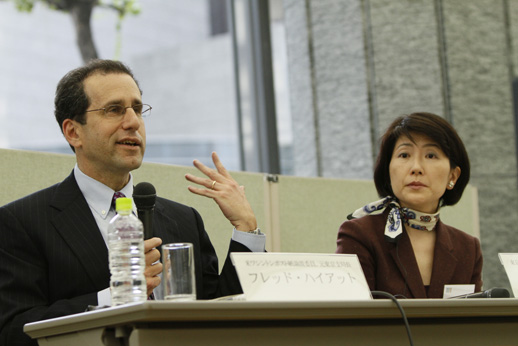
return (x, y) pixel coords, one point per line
(451, 184)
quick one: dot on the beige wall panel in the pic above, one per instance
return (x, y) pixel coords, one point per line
(297, 214)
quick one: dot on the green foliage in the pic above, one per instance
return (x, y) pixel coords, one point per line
(123, 7)
(24, 5)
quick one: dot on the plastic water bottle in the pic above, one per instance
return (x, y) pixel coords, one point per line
(126, 250)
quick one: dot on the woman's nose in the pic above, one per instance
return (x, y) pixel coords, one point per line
(417, 168)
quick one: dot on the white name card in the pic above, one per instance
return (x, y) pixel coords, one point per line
(452, 291)
(510, 263)
(300, 276)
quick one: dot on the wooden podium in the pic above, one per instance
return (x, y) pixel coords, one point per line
(378, 322)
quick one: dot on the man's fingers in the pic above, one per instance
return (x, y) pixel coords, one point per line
(202, 192)
(219, 166)
(209, 172)
(152, 256)
(152, 243)
(208, 183)
(153, 270)
(152, 283)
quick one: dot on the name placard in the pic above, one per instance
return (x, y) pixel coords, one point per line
(510, 263)
(300, 277)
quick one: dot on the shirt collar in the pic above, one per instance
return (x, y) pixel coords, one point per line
(97, 195)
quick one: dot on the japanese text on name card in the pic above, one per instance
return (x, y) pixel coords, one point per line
(292, 276)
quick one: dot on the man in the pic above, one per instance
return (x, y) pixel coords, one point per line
(53, 253)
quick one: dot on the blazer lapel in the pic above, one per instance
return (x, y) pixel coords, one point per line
(403, 256)
(164, 226)
(444, 261)
(76, 224)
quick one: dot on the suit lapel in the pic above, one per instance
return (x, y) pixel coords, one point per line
(403, 256)
(75, 223)
(164, 226)
(444, 261)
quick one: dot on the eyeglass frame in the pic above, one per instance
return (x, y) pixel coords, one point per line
(143, 114)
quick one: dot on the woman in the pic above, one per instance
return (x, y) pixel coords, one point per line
(406, 250)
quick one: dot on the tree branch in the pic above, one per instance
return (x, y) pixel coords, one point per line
(81, 12)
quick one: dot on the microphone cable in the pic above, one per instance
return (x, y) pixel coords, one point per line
(403, 315)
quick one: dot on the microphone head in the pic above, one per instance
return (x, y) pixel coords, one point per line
(498, 292)
(144, 195)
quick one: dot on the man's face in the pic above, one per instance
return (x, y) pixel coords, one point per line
(109, 148)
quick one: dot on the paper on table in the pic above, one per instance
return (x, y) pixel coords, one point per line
(300, 276)
(451, 291)
(510, 263)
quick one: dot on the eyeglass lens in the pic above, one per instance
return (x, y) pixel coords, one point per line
(119, 110)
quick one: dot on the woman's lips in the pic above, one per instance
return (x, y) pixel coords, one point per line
(416, 185)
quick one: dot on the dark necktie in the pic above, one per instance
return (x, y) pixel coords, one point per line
(115, 196)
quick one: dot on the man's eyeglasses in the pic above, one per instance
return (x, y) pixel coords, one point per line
(118, 111)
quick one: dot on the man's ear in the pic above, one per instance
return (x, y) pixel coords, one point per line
(72, 132)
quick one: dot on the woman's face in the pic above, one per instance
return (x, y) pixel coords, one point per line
(420, 173)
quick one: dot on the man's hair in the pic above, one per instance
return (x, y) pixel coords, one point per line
(71, 101)
(437, 129)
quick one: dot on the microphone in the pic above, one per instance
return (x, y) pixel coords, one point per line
(495, 292)
(144, 195)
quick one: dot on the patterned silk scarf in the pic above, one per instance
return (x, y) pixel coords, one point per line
(394, 226)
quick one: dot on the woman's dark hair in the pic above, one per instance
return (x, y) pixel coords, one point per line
(71, 101)
(437, 129)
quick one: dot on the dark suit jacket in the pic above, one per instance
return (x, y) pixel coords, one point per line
(457, 258)
(53, 259)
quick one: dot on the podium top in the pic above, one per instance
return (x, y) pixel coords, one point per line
(204, 311)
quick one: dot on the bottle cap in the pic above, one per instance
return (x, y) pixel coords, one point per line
(123, 203)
